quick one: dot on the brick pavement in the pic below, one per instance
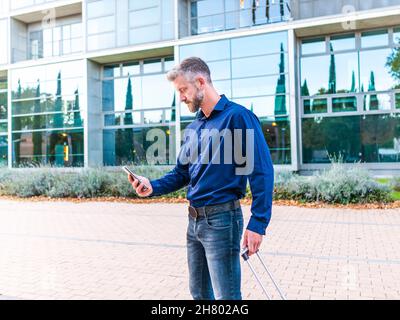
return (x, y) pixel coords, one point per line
(103, 250)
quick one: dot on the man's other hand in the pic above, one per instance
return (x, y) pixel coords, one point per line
(138, 187)
(252, 241)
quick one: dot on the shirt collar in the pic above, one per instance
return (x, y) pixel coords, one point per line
(220, 106)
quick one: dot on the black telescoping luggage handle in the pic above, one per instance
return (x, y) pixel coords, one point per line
(246, 257)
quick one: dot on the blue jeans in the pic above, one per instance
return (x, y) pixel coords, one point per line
(213, 244)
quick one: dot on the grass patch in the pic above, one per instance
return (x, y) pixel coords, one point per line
(396, 195)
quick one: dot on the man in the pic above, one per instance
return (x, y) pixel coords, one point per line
(214, 189)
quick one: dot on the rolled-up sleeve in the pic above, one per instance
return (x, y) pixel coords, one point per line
(261, 178)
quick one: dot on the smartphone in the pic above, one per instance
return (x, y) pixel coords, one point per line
(128, 171)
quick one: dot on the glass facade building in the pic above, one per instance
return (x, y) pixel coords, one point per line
(83, 83)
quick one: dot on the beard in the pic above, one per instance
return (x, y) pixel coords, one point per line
(194, 106)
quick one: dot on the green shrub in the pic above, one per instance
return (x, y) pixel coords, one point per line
(339, 184)
(395, 184)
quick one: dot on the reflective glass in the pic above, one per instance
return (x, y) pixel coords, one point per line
(129, 146)
(46, 105)
(57, 148)
(148, 91)
(269, 85)
(377, 102)
(115, 71)
(397, 97)
(130, 69)
(220, 70)
(313, 46)
(223, 87)
(157, 92)
(372, 138)
(4, 37)
(3, 151)
(115, 94)
(3, 106)
(169, 64)
(3, 127)
(396, 36)
(208, 51)
(336, 73)
(277, 134)
(48, 121)
(344, 104)
(255, 66)
(112, 120)
(315, 106)
(343, 42)
(266, 106)
(259, 44)
(375, 75)
(374, 39)
(100, 8)
(144, 17)
(151, 117)
(152, 66)
(101, 25)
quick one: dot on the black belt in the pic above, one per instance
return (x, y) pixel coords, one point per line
(207, 210)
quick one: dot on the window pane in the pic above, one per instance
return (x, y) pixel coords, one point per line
(153, 116)
(343, 42)
(129, 146)
(3, 150)
(209, 51)
(377, 102)
(100, 25)
(144, 17)
(112, 120)
(266, 106)
(3, 127)
(112, 71)
(374, 39)
(264, 65)
(277, 134)
(397, 100)
(312, 46)
(375, 75)
(100, 8)
(344, 104)
(223, 87)
(315, 106)
(220, 70)
(165, 92)
(336, 73)
(396, 36)
(259, 86)
(131, 69)
(115, 94)
(152, 66)
(260, 44)
(50, 121)
(56, 148)
(3, 106)
(372, 138)
(315, 80)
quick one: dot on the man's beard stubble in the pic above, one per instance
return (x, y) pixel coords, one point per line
(197, 101)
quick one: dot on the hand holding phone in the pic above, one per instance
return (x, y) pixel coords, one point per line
(129, 172)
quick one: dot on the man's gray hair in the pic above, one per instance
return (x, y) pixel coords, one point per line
(190, 68)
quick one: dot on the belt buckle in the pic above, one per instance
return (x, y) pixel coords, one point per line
(193, 212)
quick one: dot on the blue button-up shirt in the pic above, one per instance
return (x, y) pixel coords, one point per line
(214, 183)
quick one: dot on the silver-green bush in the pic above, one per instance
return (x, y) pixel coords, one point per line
(339, 184)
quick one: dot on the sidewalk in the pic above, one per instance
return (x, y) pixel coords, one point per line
(61, 250)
